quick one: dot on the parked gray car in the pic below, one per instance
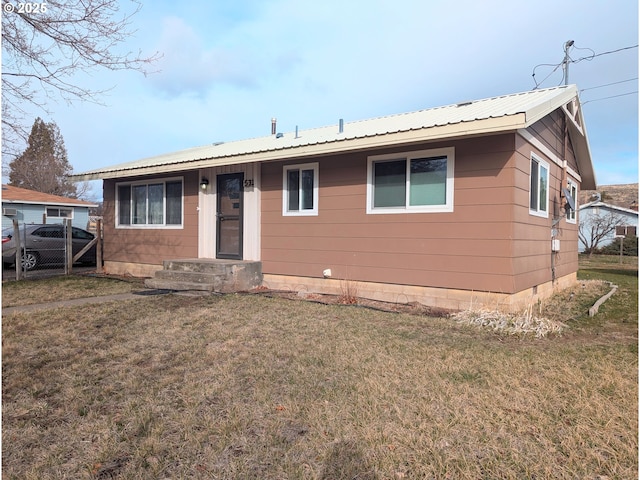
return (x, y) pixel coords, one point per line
(45, 245)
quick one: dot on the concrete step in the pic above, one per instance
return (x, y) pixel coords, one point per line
(204, 265)
(163, 284)
(223, 276)
(188, 276)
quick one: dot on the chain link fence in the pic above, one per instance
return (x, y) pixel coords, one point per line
(53, 249)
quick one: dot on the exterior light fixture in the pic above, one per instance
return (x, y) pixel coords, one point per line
(204, 183)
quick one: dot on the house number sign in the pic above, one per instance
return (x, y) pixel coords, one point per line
(248, 183)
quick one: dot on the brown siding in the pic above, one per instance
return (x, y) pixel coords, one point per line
(469, 248)
(152, 245)
(549, 131)
(533, 259)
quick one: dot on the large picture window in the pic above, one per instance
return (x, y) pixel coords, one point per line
(300, 189)
(419, 181)
(153, 204)
(539, 191)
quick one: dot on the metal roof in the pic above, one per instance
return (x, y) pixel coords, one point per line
(491, 115)
(600, 203)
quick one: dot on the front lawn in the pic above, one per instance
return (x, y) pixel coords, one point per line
(248, 386)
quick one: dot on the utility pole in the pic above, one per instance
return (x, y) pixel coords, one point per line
(567, 46)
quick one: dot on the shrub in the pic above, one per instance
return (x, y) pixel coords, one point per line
(629, 247)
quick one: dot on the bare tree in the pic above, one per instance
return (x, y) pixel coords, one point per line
(45, 48)
(597, 227)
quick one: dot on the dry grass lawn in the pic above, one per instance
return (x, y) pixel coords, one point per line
(253, 387)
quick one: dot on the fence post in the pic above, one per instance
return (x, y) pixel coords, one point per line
(99, 246)
(68, 234)
(16, 241)
(621, 249)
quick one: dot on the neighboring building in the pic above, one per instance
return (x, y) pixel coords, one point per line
(28, 206)
(452, 206)
(613, 214)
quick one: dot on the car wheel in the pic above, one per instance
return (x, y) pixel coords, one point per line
(29, 260)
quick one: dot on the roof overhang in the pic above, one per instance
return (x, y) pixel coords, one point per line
(52, 204)
(510, 113)
(368, 142)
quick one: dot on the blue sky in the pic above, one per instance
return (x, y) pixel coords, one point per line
(229, 66)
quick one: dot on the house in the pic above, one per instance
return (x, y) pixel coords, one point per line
(28, 206)
(452, 206)
(599, 214)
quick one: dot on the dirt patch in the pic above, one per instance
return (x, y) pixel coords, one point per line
(411, 308)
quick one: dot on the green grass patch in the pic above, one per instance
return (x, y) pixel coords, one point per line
(622, 309)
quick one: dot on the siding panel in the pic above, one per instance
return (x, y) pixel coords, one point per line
(469, 248)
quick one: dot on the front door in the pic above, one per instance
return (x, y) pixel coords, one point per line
(229, 216)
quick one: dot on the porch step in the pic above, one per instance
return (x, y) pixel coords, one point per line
(224, 276)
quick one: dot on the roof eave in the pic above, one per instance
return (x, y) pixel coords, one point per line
(429, 134)
(578, 136)
(57, 204)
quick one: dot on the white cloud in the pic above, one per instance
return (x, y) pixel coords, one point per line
(189, 66)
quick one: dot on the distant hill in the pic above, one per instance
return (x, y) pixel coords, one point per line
(621, 195)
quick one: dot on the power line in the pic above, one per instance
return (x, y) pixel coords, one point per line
(594, 55)
(607, 98)
(567, 59)
(609, 84)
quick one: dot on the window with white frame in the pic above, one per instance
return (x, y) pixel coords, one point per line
(572, 187)
(420, 181)
(156, 203)
(56, 212)
(539, 189)
(300, 189)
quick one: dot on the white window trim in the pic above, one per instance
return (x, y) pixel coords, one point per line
(285, 190)
(408, 156)
(571, 185)
(155, 226)
(538, 212)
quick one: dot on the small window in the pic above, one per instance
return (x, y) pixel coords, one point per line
(300, 189)
(154, 204)
(539, 191)
(415, 182)
(55, 212)
(573, 191)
